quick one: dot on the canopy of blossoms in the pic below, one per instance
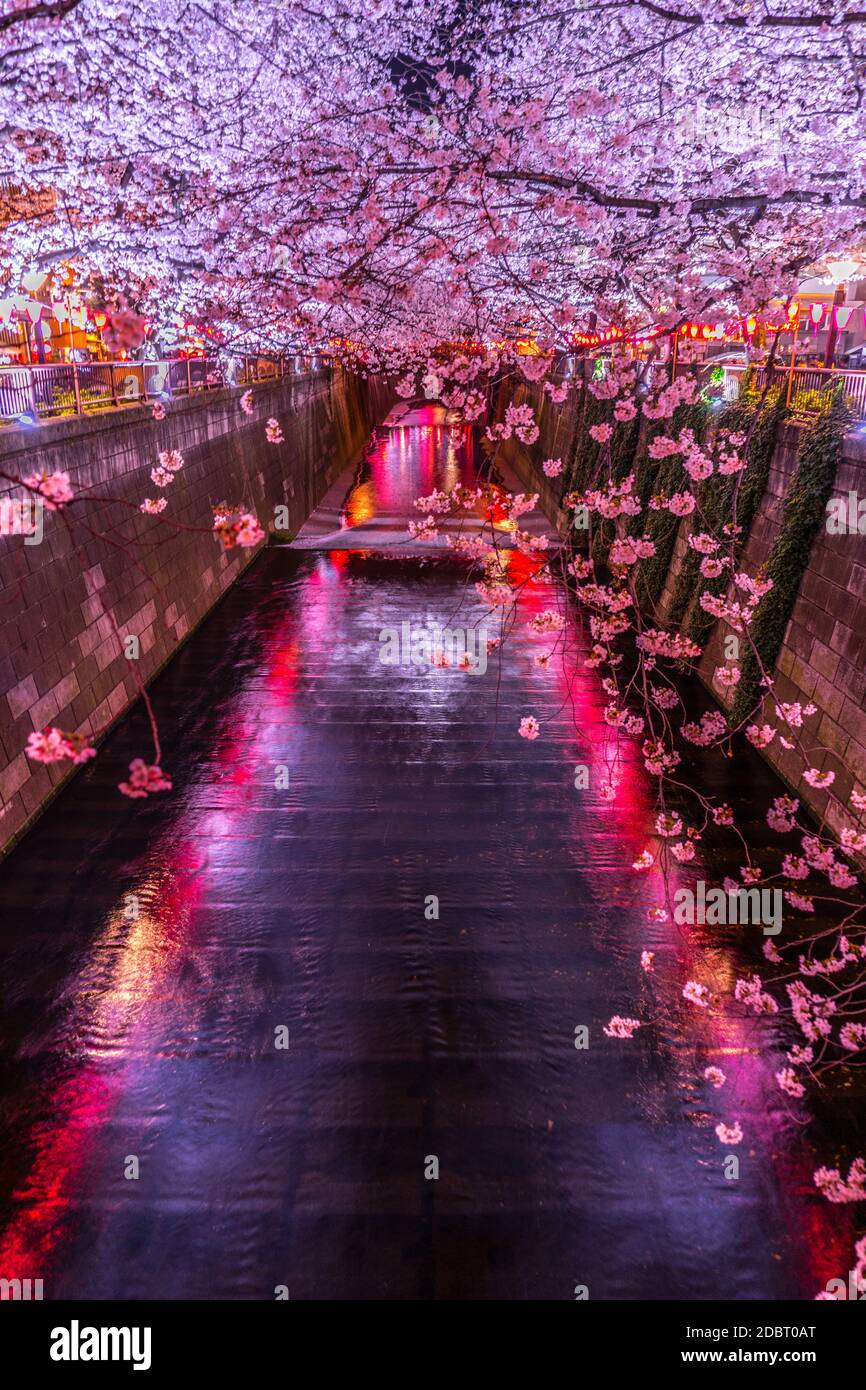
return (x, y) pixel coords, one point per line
(401, 176)
(400, 172)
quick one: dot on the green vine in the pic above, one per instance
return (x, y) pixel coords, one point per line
(804, 511)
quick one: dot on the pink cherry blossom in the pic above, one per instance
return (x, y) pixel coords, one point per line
(52, 745)
(620, 1027)
(730, 1134)
(53, 487)
(696, 993)
(144, 780)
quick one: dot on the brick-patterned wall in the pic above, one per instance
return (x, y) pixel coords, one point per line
(823, 656)
(103, 568)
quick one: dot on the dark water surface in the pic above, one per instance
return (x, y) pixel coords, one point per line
(264, 906)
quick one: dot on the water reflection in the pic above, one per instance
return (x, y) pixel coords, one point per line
(407, 461)
(151, 953)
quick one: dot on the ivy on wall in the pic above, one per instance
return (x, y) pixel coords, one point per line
(716, 496)
(584, 460)
(804, 511)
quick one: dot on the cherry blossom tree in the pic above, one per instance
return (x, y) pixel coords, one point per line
(416, 183)
(398, 174)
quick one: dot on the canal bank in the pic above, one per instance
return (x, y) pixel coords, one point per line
(365, 931)
(104, 573)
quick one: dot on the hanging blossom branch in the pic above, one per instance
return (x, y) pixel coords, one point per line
(521, 166)
(231, 525)
(818, 976)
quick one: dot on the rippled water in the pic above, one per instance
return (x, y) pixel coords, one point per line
(322, 798)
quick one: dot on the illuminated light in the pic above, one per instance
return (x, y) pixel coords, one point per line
(751, 324)
(793, 311)
(707, 331)
(34, 280)
(843, 314)
(842, 270)
(817, 313)
(693, 330)
(100, 319)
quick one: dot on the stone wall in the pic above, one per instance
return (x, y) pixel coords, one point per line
(823, 656)
(558, 425)
(104, 571)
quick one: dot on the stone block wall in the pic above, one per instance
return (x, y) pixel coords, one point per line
(104, 571)
(823, 655)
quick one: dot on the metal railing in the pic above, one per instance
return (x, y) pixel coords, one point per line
(32, 393)
(803, 386)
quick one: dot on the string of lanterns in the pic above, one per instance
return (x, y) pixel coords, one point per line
(839, 314)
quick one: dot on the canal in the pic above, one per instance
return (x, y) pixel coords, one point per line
(242, 1024)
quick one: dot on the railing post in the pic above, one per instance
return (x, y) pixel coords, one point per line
(76, 388)
(188, 378)
(113, 384)
(791, 376)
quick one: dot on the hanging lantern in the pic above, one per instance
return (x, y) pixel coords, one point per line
(34, 310)
(751, 324)
(34, 281)
(100, 319)
(817, 313)
(840, 271)
(843, 314)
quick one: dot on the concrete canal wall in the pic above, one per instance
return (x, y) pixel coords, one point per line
(103, 571)
(823, 654)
